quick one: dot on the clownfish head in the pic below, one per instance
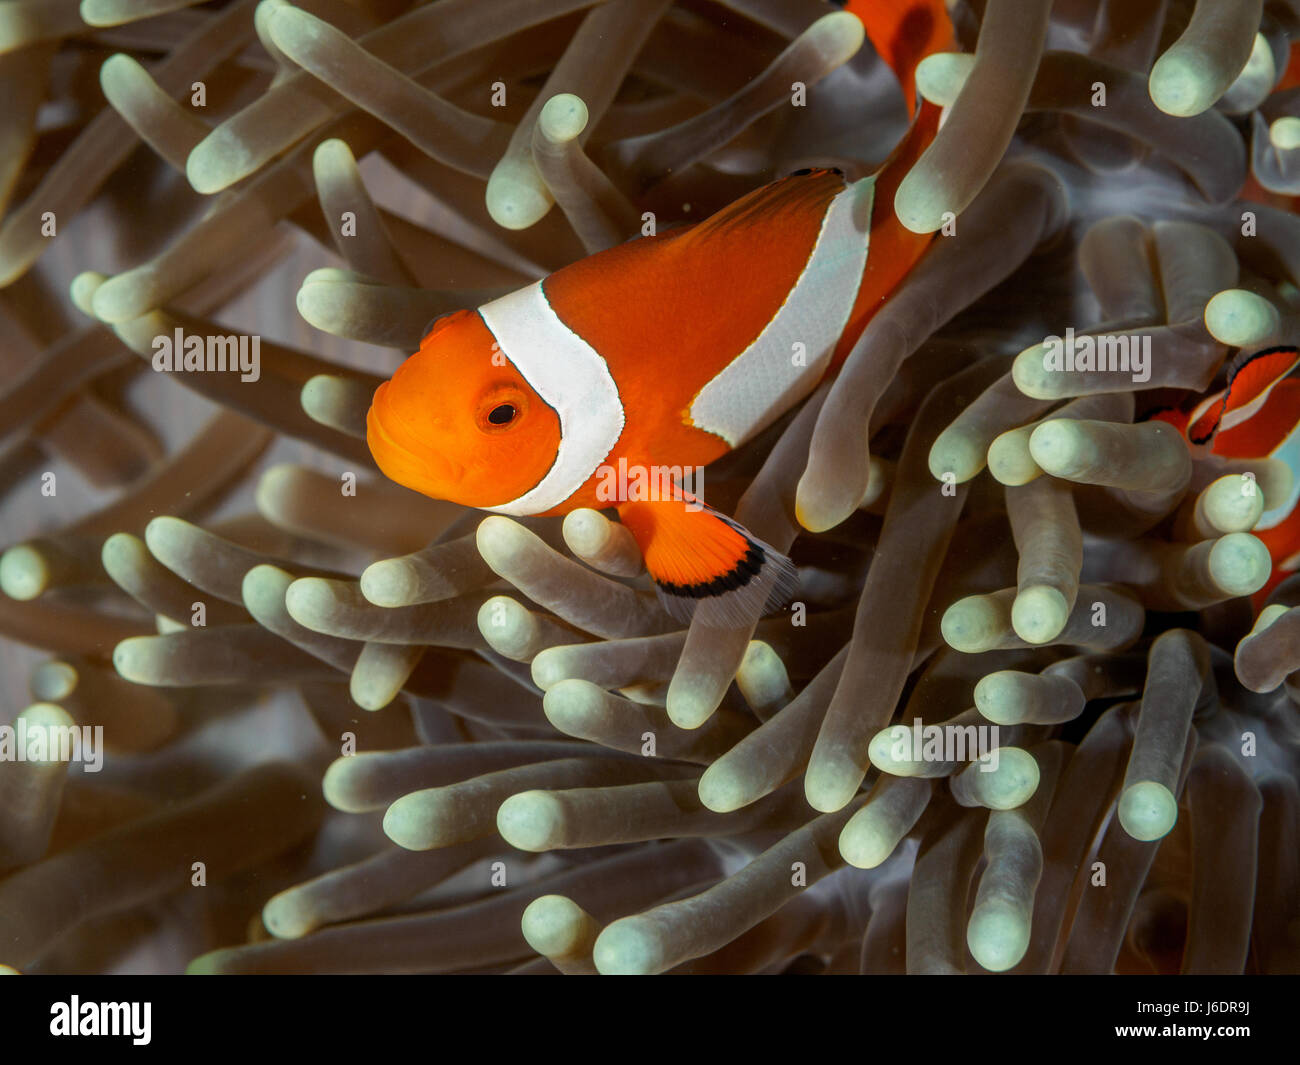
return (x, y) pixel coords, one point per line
(457, 421)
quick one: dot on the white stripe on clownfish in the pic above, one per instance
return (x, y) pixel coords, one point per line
(1231, 418)
(1235, 417)
(572, 378)
(764, 381)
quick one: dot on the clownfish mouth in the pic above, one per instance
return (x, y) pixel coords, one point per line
(403, 457)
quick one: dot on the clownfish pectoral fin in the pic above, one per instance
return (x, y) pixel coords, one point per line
(706, 566)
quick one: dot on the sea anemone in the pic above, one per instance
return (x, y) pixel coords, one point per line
(346, 728)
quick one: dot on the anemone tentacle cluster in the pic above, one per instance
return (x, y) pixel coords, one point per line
(1035, 706)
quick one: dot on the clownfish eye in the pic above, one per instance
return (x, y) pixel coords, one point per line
(501, 409)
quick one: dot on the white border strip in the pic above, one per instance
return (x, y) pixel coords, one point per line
(570, 376)
(763, 382)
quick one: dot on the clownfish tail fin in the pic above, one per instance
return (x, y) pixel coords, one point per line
(707, 567)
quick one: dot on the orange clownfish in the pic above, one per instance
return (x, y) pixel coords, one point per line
(665, 352)
(1257, 416)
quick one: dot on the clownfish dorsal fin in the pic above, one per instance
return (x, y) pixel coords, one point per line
(707, 566)
(802, 197)
(1250, 381)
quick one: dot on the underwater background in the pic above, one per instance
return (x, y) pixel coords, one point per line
(346, 728)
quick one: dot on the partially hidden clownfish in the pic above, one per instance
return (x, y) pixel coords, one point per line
(666, 352)
(1256, 416)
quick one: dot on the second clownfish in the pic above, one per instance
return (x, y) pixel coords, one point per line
(1256, 416)
(665, 352)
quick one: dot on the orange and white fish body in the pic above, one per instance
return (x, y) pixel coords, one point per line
(663, 353)
(1257, 416)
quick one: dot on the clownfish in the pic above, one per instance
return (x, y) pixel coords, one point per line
(665, 353)
(1256, 416)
